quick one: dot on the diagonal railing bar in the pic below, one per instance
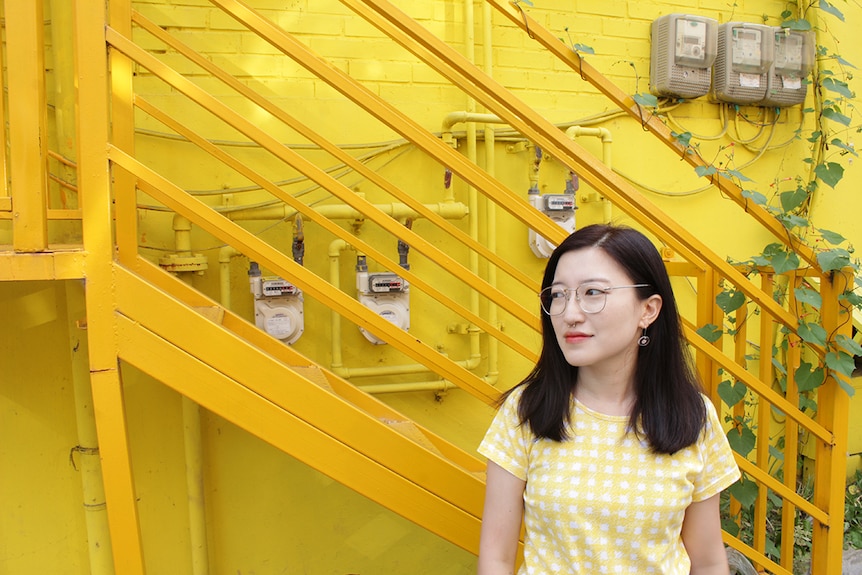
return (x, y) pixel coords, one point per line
(334, 150)
(496, 97)
(513, 203)
(754, 555)
(756, 385)
(514, 11)
(246, 242)
(782, 490)
(327, 224)
(332, 185)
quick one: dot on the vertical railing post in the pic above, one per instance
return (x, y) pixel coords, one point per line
(791, 437)
(706, 314)
(833, 412)
(740, 352)
(764, 409)
(28, 121)
(5, 199)
(123, 133)
(91, 70)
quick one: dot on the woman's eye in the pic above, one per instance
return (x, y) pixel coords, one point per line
(593, 291)
(558, 295)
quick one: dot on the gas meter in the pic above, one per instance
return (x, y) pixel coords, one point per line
(386, 294)
(278, 306)
(740, 72)
(793, 59)
(560, 208)
(682, 52)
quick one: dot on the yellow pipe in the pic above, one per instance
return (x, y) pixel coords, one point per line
(225, 254)
(605, 134)
(437, 386)
(193, 435)
(449, 210)
(490, 163)
(193, 443)
(182, 235)
(87, 450)
(335, 249)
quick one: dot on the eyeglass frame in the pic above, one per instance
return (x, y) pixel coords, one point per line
(569, 291)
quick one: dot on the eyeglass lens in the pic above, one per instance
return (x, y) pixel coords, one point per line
(591, 298)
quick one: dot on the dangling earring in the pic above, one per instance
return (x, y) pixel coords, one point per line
(643, 340)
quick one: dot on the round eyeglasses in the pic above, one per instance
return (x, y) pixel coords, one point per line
(591, 298)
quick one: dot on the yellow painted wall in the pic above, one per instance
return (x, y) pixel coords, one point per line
(42, 522)
(266, 512)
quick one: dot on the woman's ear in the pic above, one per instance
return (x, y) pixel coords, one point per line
(651, 309)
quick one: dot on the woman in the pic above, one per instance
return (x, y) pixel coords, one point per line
(607, 450)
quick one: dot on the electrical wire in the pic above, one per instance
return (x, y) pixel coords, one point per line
(722, 115)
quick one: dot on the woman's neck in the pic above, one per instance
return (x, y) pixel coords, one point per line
(611, 393)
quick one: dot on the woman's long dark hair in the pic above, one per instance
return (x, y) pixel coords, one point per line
(668, 410)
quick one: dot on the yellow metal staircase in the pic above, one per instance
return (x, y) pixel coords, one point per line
(142, 316)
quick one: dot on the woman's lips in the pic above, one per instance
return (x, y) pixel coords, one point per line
(576, 336)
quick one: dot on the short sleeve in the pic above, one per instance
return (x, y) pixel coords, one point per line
(507, 442)
(719, 467)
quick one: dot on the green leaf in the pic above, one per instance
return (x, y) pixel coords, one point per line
(837, 86)
(851, 298)
(710, 332)
(684, 138)
(831, 237)
(744, 491)
(756, 197)
(849, 344)
(836, 116)
(807, 378)
(705, 170)
(830, 173)
(827, 7)
(776, 453)
(807, 403)
(792, 200)
(741, 440)
(772, 550)
(729, 300)
(839, 144)
(587, 50)
(833, 259)
(785, 262)
(796, 24)
(809, 297)
(791, 221)
(731, 394)
(841, 362)
(729, 525)
(647, 100)
(812, 333)
(739, 175)
(842, 61)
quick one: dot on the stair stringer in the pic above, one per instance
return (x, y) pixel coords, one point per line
(244, 384)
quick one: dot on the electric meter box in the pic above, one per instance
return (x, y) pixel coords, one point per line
(561, 209)
(387, 295)
(793, 52)
(278, 306)
(741, 71)
(682, 53)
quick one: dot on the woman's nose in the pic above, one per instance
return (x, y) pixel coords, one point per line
(573, 308)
